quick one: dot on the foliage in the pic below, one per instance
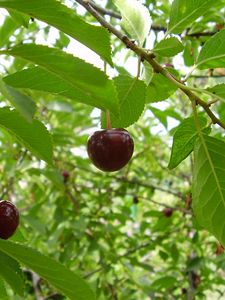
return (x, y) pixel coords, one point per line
(85, 234)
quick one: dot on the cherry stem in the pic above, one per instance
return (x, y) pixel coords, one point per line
(138, 68)
(108, 120)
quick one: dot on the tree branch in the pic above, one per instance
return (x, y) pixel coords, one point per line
(206, 76)
(149, 57)
(111, 13)
(199, 34)
(134, 182)
(132, 251)
(86, 4)
(105, 11)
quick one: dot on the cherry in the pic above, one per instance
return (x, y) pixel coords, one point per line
(110, 149)
(169, 65)
(9, 219)
(219, 26)
(195, 279)
(65, 175)
(168, 212)
(135, 200)
(184, 291)
(219, 249)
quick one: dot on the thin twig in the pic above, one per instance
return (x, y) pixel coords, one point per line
(206, 76)
(151, 186)
(105, 11)
(112, 13)
(92, 273)
(132, 181)
(131, 251)
(100, 19)
(72, 198)
(199, 34)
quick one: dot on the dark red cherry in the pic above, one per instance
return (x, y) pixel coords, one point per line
(65, 175)
(110, 149)
(9, 219)
(219, 249)
(168, 212)
(169, 65)
(135, 200)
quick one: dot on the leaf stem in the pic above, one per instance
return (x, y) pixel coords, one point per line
(108, 120)
(189, 74)
(138, 68)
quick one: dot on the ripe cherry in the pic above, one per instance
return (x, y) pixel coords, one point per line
(9, 219)
(169, 65)
(219, 249)
(168, 212)
(110, 149)
(135, 200)
(65, 175)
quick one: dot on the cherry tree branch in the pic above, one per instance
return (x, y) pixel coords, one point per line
(88, 5)
(105, 11)
(148, 56)
(111, 13)
(199, 34)
(132, 181)
(206, 76)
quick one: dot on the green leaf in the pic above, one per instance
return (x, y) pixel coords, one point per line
(131, 93)
(184, 140)
(55, 176)
(170, 112)
(41, 80)
(64, 280)
(168, 47)
(35, 224)
(136, 19)
(221, 111)
(190, 53)
(195, 263)
(34, 136)
(3, 292)
(218, 91)
(6, 30)
(164, 282)
(208, 185)
(24, 104)
(21, 19)
(159, 114)
(184, 12)
(212, 54)
(58, 15)
(148, 73)
(69, 75)
(12, 274)
(160, 88)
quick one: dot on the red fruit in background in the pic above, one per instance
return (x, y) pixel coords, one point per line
(135, 200)
(110, 149)
(168, 212)
(9, 219)
(219, 249)
(195, 279)
(219, 26)
(65, 175)
(169, 65)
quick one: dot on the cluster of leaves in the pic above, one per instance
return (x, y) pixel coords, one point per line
(112, 229)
